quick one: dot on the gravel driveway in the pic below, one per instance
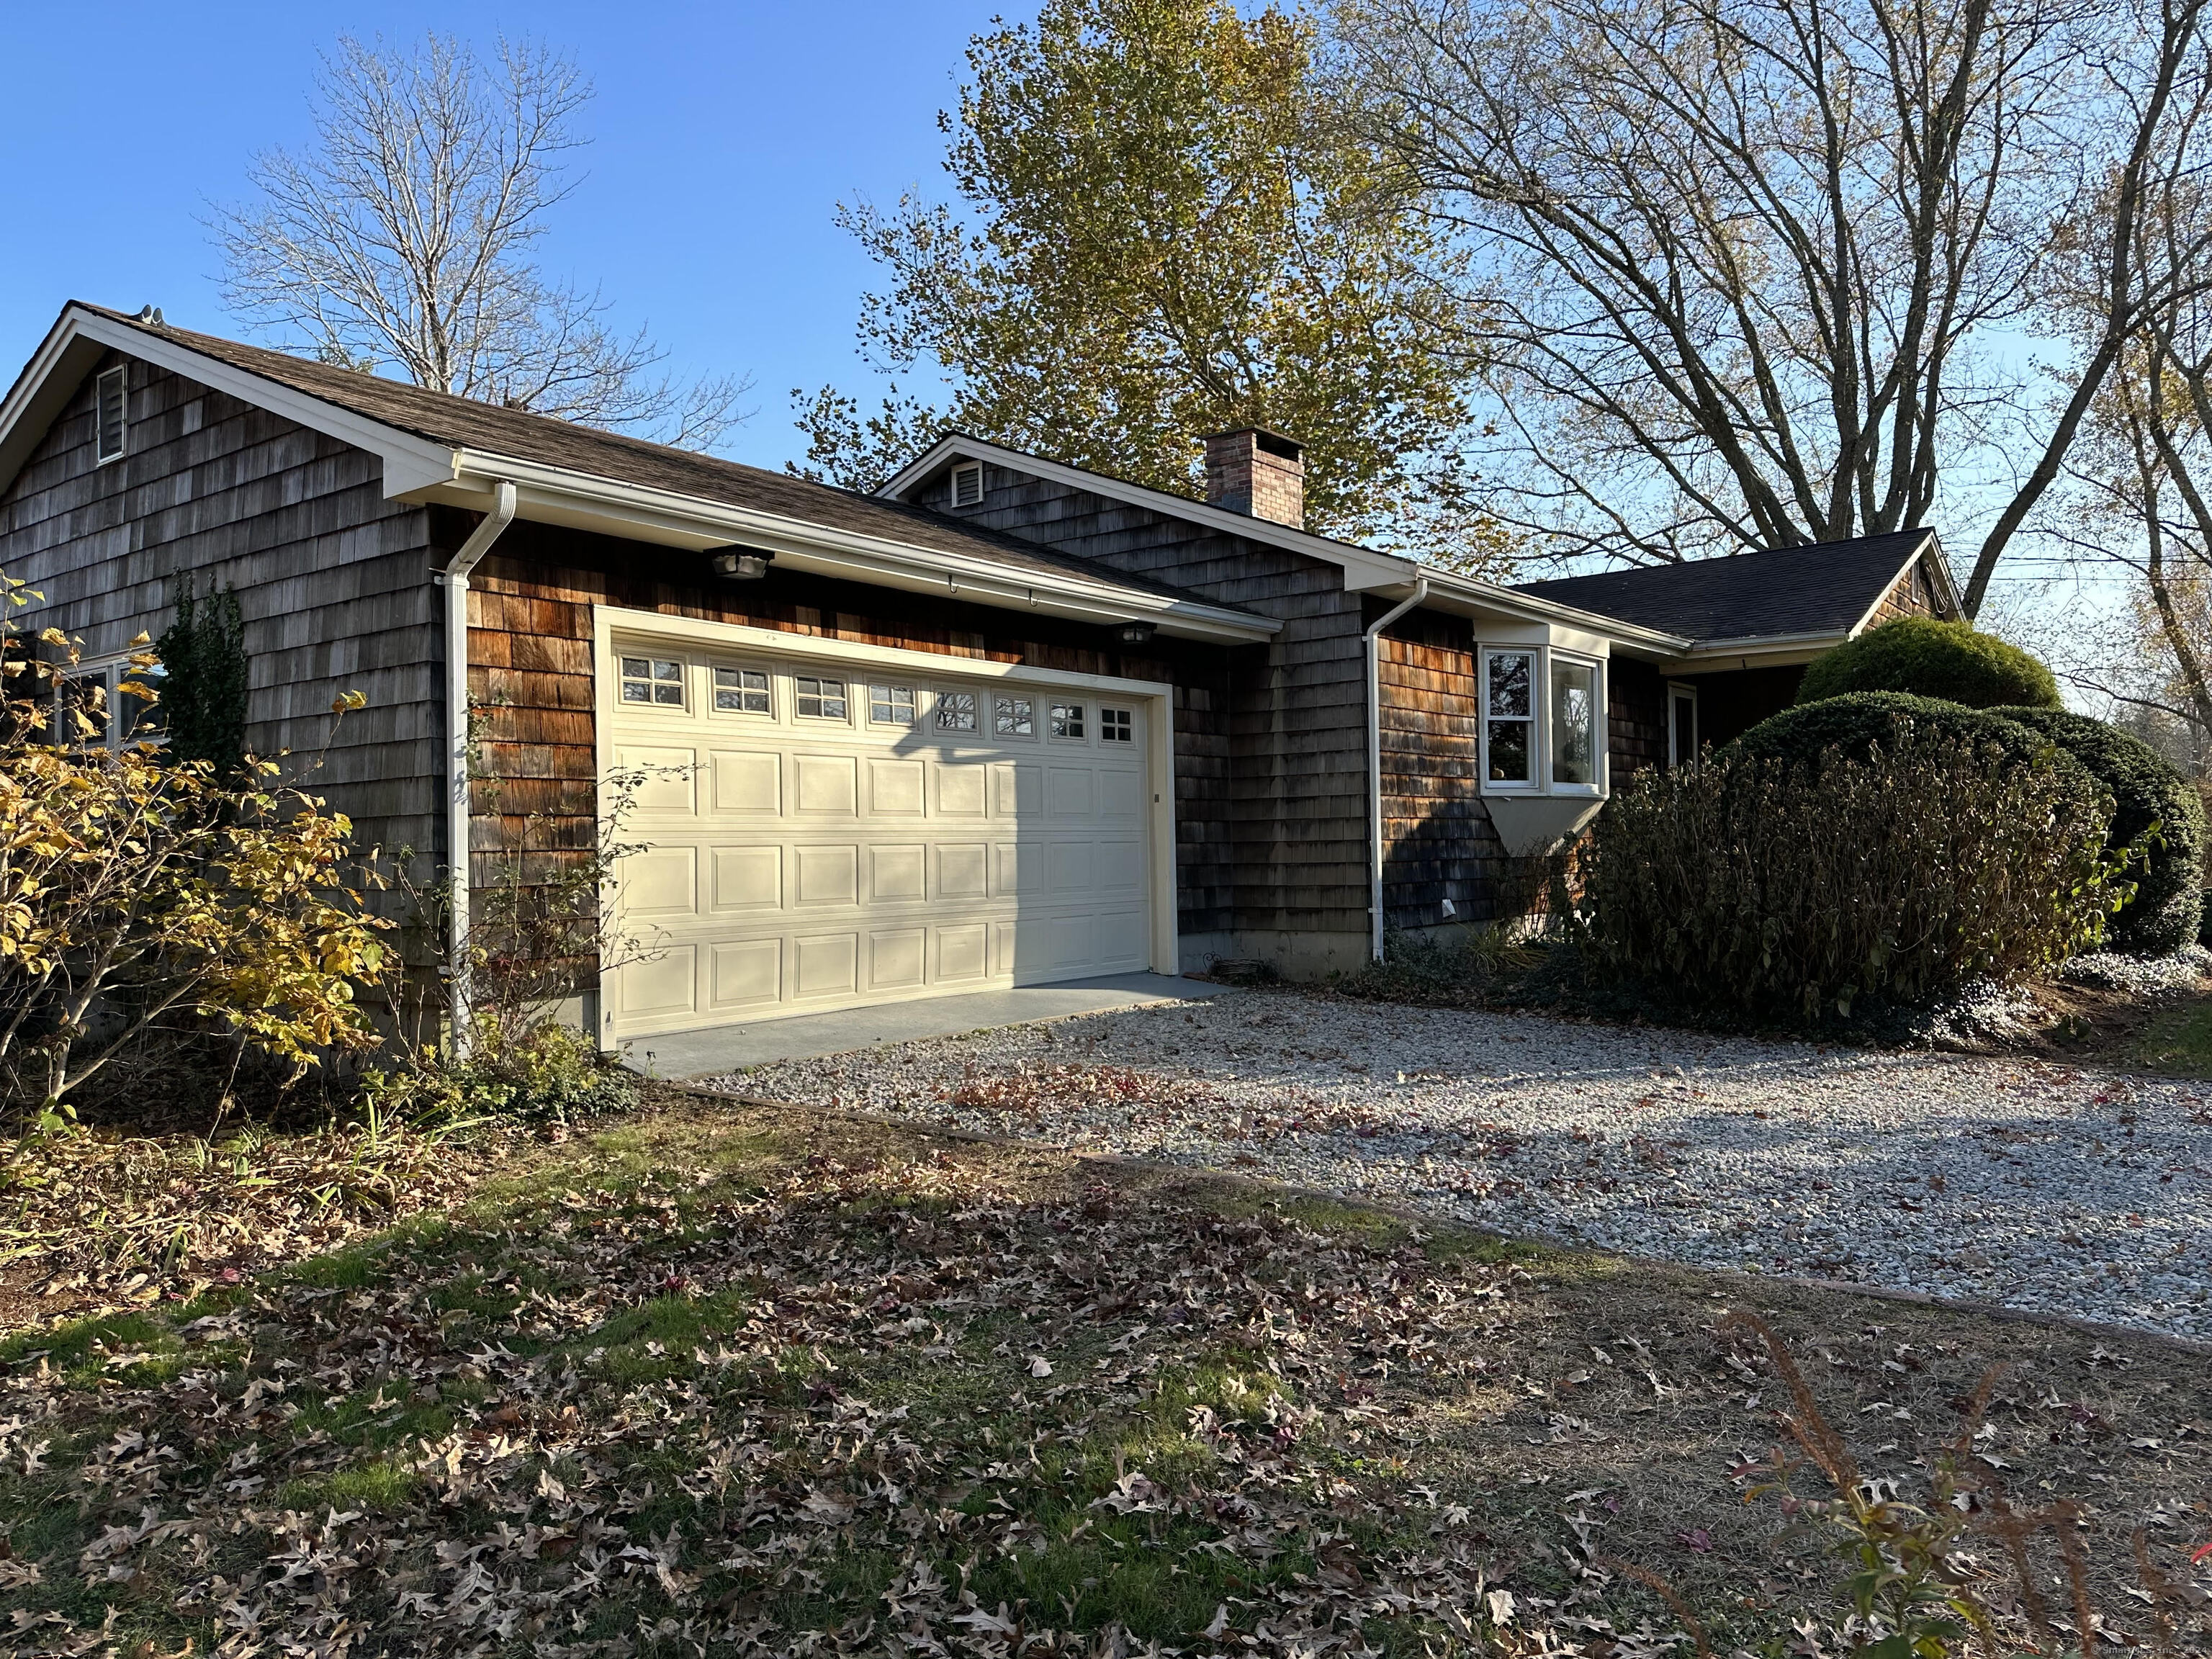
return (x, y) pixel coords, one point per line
(2016, 1181)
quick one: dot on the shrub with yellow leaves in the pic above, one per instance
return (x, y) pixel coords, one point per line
(141, 892)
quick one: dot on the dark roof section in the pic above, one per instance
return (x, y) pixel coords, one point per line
(1823, 588)
(462, 423)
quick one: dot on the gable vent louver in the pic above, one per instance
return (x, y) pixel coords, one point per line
(111, 411)
(968, 485)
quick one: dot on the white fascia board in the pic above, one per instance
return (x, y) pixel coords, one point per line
(411, 464)
(1370, 568)
(1757, 651)
(551, 495)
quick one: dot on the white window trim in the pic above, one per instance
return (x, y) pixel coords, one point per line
(1539, 768)
(1539, 719)
(713, 691)
(1676, 689)
(120, 376)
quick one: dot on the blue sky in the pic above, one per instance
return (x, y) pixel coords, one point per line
(723, 137)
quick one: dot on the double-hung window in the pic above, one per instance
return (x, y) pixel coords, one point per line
(1508, 719)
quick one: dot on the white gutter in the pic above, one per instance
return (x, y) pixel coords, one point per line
(1375, 758)
(455, 577)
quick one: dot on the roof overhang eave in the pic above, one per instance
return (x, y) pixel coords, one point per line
(1759, 651)
(1471, 596)
(561, 495)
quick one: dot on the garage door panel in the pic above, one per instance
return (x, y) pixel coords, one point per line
(748, 974)
(1016, 789)
(661, 882)
(667, 777)
(960, 871)
(963, 953)
(663, 986)
(896, 958)
(1121, 793)
(961, 791)
(748, 878)
(897, 874)
(747, 780)
(827, 875)
(826, 785)
(896, 787)
(792, 864)
(828, 964)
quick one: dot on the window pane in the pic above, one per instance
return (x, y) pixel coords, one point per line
(1113, 726)
(1685, 730)
(1574, 723)
(1068, 720)
(636, 668)
(744, 689)
(1509, 750)
(664, 670)
(821, 698)
(143, 721)
(955, 711)
(891, 705)
(1015, 718)
(636, 691)
(1510, 675)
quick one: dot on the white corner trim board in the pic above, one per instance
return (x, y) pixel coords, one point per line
(455, 579)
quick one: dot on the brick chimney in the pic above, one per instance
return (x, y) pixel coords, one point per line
(1256, 472)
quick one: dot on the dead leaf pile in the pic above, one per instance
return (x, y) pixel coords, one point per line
(895, 1408)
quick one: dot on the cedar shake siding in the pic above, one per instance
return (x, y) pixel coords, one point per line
(1437, 839)
(1635, 716)
(530, 675)
(1294, 852)
(332, 580)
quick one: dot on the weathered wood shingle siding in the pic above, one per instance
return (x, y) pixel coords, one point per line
(1635, 716)
(1438, 842)
(332, 580)
(1294, 814)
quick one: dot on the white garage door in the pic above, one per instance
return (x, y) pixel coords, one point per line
(814, 837)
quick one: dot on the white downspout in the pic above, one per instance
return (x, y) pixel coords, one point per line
(1374, 761)
(456, 580)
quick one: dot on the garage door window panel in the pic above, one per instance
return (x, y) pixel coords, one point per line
(821, 698)
(1014, 717)
(1066, 722)
(1115, 726)
(655, 680)
(744, 691)
(955, 711)
(891, 705)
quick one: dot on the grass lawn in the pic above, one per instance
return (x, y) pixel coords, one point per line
(726, 1379)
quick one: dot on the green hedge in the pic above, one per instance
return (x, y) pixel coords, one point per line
(2148, 791)
(1797, 886)
(1863, 721)
(1931, 658)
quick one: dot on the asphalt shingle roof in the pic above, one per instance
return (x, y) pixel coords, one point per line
(1823, 588)
(462, 423)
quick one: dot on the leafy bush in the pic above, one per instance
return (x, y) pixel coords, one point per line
(139, 891)
(2157, 816)
(203, 688)
(1932, 659)
(548, 1074)
(1772, 886)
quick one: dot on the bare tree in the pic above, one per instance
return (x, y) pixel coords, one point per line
(1759, 270)
(403, 238)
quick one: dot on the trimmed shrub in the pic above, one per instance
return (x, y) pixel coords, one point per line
(1931, 658)
(1778, 886)
(1855, 725)
(2157, 817)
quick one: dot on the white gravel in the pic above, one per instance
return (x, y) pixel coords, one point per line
(2021, 1183)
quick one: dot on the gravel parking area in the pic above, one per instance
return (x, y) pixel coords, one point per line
(2020, 1182)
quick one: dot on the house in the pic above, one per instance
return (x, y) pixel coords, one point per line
(1006, 720)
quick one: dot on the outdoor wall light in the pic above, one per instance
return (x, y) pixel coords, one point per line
(742, 567)
(1134, 633)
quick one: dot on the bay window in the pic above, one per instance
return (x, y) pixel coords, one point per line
(1543, 730)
